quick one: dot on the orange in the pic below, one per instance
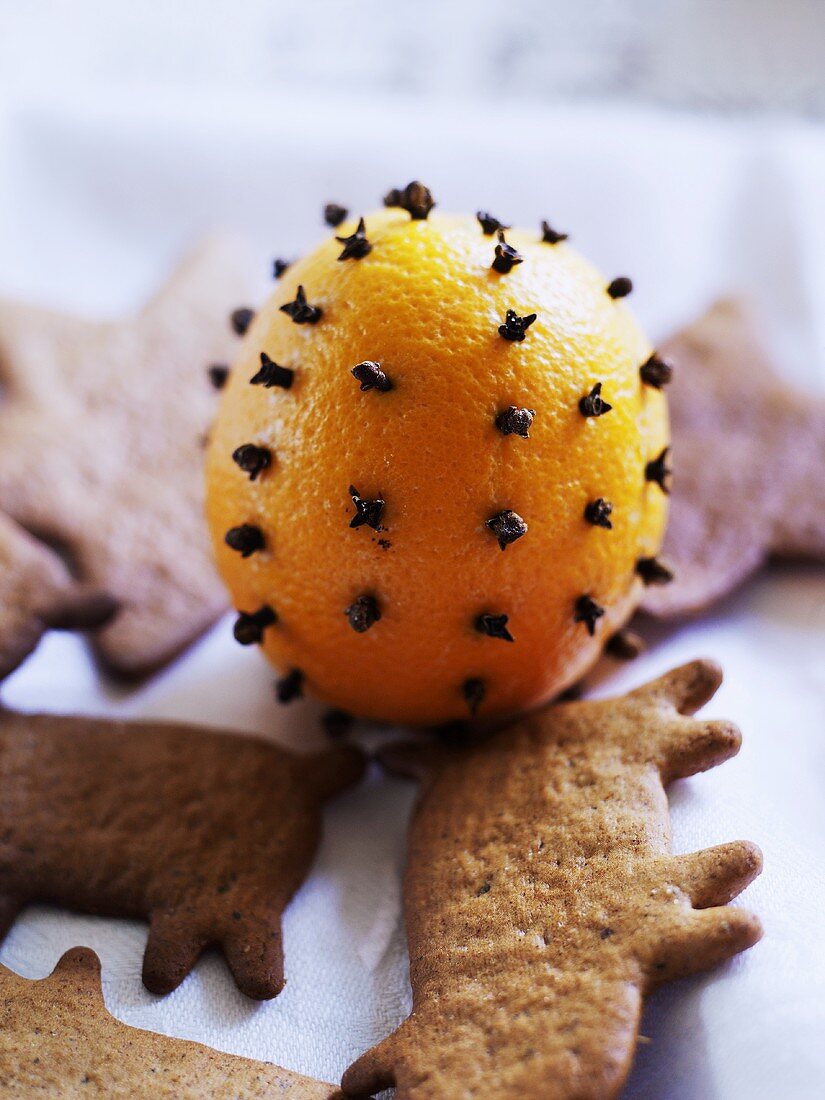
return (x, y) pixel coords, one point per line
(426, 306)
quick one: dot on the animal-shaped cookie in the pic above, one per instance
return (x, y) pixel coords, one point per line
(748, 455)
(58, 1041)
(543, 901)
(207, 835)
(37, 594)
(101, 448)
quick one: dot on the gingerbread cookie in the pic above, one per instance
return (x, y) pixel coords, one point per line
(58, 1040)
(37, 593)
(101, 444)
(543, 902)
(748, 460)
(207, 835)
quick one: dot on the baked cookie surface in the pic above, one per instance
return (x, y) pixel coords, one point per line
(543, 902)
(101, 448)
(37, 593)
(207, 835)
(749, 456)
(57, 1040)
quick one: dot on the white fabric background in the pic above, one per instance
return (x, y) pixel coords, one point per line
(98, 195)
(727, 55)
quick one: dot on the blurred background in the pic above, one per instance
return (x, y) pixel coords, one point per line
(720, 55)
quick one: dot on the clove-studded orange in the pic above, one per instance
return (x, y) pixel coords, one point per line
(453, 467)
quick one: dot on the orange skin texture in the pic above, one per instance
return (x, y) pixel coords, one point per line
(427, 306)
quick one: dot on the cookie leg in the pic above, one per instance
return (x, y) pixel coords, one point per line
(254, 954)
(687, 747)
(715, 876)
(173, 948)
(80, 608)
(372, 1072)
(678, 745)
(700, 940)
(686, 688)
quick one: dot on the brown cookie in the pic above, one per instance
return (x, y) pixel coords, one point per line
(58, 1040)
(37, 593)
(101, 437)
(543, 902)
(748, 461)
(207, 835)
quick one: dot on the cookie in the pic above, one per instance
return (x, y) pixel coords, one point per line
(101, 449)
(58, 1040)
(543, 902)
(37, 593)
(748, 460)
(207, 835)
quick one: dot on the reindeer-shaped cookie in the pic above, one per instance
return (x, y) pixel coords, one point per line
(206, 834)
(58, 1042)
(763, 494)
(101, 437)
(543, 901)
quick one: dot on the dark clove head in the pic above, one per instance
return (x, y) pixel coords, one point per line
(506, 257)
(367, 512)
(272, 374)
(241, 319)
(653, 571)
(587, 611)
(657, 470)
(474, 689)
(598, 512)
(592, 404)
(515, 327)
(656, 372)
(363, 613)
(493, 626)
(507, 526)
(489, 224)
(250, 626)
(620, 288)
(371, 377)
(550, 236)
(290, 687)
(334, 214)
(415, 198)
(218, 375)
(301, 312)
(356, 245)
(246, 539)
(515, 420)
(252, 459)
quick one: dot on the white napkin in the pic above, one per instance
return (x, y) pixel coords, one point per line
(100, 194)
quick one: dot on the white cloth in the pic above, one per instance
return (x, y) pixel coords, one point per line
(96, 197)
